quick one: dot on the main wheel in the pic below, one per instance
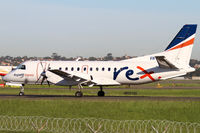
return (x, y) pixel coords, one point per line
(101, 93)
(21, 93)
(79, 94)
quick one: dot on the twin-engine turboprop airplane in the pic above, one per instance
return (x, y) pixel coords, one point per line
(173, 62)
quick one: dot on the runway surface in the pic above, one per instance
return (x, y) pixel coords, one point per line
(194, 85)
(71, 97)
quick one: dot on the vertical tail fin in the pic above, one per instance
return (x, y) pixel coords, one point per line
(180, 49)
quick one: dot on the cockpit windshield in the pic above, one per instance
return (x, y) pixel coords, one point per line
(23, 67)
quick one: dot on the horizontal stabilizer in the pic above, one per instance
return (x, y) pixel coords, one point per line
(173, 76)
(164, 63)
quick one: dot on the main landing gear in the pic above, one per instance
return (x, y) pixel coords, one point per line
(21, 93)
(79, 93)
(101, 93)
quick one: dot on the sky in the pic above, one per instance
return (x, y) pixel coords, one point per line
(87, 28)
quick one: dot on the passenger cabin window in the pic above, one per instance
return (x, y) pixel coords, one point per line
(66, 68)
(103, 69)
(84, 68)
(22, 67)
(109, 69)
(97, 69)
(78, 68)
(90, 68)
(60, 68)
(72, 69)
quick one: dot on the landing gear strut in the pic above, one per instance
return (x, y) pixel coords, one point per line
(101, 93)
(79, 93)
(21, 93)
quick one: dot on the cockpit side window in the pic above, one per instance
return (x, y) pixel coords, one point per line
(22, 67)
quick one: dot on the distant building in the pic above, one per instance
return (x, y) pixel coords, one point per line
(5, 63)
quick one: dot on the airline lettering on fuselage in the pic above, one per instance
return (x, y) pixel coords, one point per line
(21, 75)
(128, 73)
(131, 72)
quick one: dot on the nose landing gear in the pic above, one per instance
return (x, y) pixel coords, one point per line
(21, 93)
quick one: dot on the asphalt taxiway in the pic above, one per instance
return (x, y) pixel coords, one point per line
(71, 97)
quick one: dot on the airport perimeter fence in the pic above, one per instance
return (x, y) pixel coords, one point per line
(40, 124)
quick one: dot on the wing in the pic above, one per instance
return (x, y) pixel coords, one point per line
(90, 80)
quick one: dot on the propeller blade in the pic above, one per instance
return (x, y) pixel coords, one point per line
(43, 80)
(42, 65)
(43, 68)
(43, 74)
(48, 83)
(48, 66)
(38, 79)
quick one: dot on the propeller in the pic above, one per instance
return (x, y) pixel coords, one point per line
(43, 75)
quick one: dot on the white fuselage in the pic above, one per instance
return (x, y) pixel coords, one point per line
(123, 72)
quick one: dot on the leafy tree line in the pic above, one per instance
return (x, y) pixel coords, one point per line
(14, 61)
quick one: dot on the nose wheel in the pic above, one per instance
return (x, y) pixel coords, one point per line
(21, 93)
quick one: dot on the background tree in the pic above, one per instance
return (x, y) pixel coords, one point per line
(108, 57)
(92, 58)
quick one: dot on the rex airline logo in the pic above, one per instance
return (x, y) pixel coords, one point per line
(146, 74)
(130, 72)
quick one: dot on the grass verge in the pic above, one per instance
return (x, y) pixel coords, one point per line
(185, 111)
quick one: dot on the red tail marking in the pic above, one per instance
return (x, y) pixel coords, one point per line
(190, 42)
